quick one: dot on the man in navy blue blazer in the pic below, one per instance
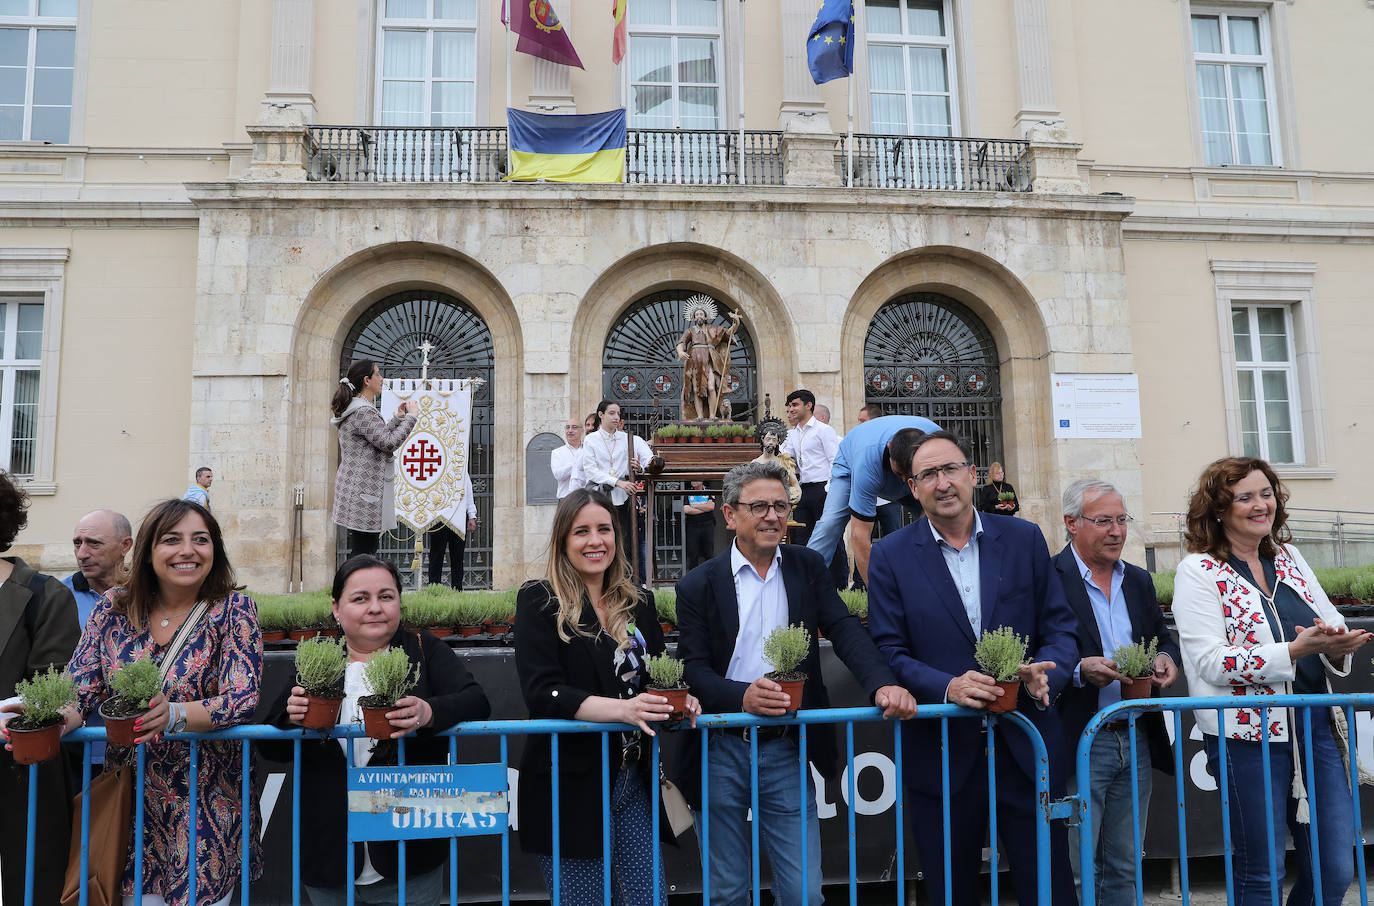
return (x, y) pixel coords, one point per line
(725, 609)
(933, 588)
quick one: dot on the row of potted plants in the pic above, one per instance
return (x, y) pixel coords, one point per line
(718, 434)
(440, 610)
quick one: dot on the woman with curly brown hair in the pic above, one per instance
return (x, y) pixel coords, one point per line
(1252, 620)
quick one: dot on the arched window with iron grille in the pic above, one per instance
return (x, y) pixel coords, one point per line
(390, 333)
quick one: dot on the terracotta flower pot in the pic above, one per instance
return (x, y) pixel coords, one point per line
(375, 723)
(1007, 701)
(1138, 687)
(677, 698)
(300, 635)
(119, 731)
(441, 632)
(321, 713)
(274, 635)
(331, 633)
(793, 689)
(33, 746)
(496, 627)
(668, 627)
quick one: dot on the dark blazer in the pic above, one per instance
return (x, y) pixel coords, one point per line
(555, 678)
(708, 623)
(918, 621)
(1079, 704)
(453, 695)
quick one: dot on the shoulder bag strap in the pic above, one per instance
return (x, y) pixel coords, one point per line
(179, 640)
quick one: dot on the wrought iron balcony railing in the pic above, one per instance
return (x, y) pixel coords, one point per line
(930, 162)
(475, 154)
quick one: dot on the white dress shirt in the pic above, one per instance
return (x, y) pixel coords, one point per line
(812, 446)
(605, 460)
(566, 465)
(762, 608)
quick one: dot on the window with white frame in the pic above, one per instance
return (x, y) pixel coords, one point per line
(1266, 382)
(21, 355)
(428, 63)
(1235, 87)
(674, 64)
(911, 84)
(37, 69)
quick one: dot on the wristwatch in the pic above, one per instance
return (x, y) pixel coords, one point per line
(176, 717)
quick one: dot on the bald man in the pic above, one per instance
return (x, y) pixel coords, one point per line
(100, 540)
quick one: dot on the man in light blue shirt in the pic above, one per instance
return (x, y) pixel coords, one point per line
(200, 491)
(872, 462)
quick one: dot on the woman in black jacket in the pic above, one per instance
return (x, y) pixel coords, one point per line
(367, 604)
(581, 639)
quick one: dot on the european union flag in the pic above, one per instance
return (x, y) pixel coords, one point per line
(830, 46)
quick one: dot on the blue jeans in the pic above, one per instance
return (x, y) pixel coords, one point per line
(581, 882)
(1252, 831)
(1111, 766)
(421, 890)
(779, 816)
(829, 529)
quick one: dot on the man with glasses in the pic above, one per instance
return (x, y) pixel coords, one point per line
(1114, 605)
(725, 609)
(871, 462)
(934, 587)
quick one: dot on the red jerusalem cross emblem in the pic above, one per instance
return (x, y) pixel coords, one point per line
(422, 460)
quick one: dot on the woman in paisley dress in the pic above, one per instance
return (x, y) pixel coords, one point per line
(1252, 620)
(582, 636)
(178, 561)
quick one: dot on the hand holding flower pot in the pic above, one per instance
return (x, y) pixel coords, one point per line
(665, 679)
(390, 712)
(135, 686)
(784, 649)
(1137, 662)
(1000, 654)
(320, 665)
(35, 731)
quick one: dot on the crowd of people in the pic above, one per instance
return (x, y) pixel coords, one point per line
(1251, 620)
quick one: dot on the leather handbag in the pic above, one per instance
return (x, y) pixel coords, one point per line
(674, 805)
(111, 795)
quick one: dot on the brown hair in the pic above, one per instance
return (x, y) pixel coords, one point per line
(618, 594)
(1213, 497)
(135, 599)
(351, 385)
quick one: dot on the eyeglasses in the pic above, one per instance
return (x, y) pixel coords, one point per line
(761, 508)
(950, 470)
(1105, 522)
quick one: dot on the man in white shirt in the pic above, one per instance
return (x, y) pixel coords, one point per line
(726, 608)
(566, 461)
(812, 444)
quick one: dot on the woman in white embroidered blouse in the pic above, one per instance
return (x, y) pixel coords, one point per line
(1252, 620)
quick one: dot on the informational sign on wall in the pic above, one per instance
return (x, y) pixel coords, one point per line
(407, 803)
(1096, 405)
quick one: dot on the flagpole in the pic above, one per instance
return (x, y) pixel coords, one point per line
(740, 44)
(849, 145)
(510, 160)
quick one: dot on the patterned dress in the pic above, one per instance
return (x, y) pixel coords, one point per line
(221, 668)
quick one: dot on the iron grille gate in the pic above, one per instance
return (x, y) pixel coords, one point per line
(929, 355)
(639, 363)
(390, 333)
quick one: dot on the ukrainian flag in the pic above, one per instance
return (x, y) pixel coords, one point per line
(584, 147)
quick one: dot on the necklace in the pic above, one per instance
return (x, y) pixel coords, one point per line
(167, 620)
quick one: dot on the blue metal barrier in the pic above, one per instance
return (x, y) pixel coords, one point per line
(1132, 709)
(504, 730)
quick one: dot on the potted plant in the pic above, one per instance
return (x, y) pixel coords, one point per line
(737, 434)
(1006, 499)
(665, 679)
(665, 603)
(499, 612)
(469, 615)
(135, 684)
(668, 434)
(784, 649)
(320, 665)
(304, 619)
(272, 620)
(413, 615)
(717, 433)
(35, 735)
(1137, 661)
(691, 433)
(390, 677)
(1000, 654)
(749, 434)
(856, 602)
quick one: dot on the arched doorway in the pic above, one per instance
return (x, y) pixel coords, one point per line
(390, 332)
(927, 354)
(639, 363)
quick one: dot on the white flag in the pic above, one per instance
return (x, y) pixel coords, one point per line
(430, 464)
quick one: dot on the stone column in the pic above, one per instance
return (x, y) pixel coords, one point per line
(1035, 73)
(801, 109)
(288, 98)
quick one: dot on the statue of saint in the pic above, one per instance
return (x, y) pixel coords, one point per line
(771, 432)
(704, 351)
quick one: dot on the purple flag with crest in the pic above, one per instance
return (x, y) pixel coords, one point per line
(541, 34)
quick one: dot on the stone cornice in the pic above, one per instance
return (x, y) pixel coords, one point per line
(656, 197)
(1195, 228)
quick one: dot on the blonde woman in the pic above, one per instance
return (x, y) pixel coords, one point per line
(582, 636)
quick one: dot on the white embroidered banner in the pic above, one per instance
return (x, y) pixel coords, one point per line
(431, 463)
